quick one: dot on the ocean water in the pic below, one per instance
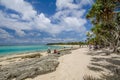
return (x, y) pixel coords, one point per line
(6, 50)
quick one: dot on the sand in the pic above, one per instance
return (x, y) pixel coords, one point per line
(8, 59)
(72, 67)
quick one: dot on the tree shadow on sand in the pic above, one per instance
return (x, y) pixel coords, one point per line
(111, 64)
(102, 53)
(96, 69)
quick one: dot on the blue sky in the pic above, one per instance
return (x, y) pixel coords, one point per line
(43, 21)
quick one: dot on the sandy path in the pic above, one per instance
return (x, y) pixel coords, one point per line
(72, 67)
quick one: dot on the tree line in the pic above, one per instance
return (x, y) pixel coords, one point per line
(105, 17)
(68, 43)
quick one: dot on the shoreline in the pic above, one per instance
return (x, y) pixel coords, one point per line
(38, 61)
(20, 53)
(8, 57)
(42, 51)
(89, 63)
(28, 51)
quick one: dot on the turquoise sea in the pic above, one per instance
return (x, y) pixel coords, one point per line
(6, 50)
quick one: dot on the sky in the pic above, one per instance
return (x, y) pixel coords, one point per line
(43, 21)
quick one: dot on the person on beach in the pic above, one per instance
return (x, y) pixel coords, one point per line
(48, 51)
(79, 46)
(58, 52)
(95, 45)
(55, 51)
(90, 46)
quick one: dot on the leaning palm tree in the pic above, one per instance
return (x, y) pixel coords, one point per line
(103, 17)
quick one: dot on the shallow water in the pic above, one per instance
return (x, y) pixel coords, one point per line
(5, 50)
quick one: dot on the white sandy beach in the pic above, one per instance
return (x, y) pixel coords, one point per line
(72, 67)
(8, 59)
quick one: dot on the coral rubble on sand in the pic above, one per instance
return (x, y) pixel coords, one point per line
(30, 67)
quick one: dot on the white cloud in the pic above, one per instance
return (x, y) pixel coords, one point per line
(20, 6)
(68, 14)
(69, 4)
(73, 22)
(65, 13)
(36, 41)
(53, 40)
(4, 34)
(13, 24)
(65, 4)
(85, 2)
(42, 22)
(14, 16)
(70, 17)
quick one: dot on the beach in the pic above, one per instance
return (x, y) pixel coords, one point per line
(71, 64)
(59, 39)
(18, 57)
(72, 67)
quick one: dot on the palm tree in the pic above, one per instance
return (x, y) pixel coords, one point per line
(105, 20)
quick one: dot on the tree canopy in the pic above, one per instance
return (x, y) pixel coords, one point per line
(106, 23)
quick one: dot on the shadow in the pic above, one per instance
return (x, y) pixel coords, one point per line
(115, 57)
(113, 61)
(98, 52)
(93, 53)
(110, 77)
(94, 59)
(96, 69)
(96, 64)
(112, 64)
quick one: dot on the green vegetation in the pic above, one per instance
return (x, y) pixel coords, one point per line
(106, 24)
(69, 43)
